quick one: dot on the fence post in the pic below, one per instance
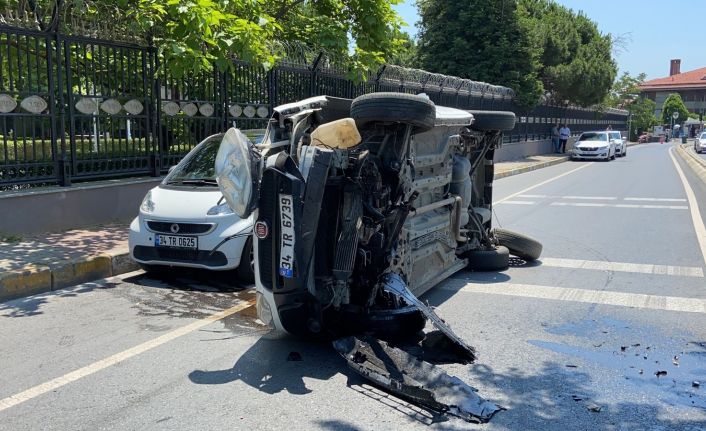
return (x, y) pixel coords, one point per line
(271, 89)
(63, 171)
(378, 76)
(314, 70)
(155, 106)
(223, 91)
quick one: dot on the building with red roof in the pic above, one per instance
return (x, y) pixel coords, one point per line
(690, 85)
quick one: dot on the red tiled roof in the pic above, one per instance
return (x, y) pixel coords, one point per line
(692, 79)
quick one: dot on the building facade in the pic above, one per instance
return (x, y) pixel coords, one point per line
(690, 85)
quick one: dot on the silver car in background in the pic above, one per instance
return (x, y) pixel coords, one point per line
(700, 143)
(621, 147)
(594, 145)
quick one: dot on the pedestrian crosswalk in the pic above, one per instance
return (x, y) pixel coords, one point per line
(598, 202)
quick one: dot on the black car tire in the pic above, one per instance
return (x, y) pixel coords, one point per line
(493, 120)
(245, 270)
(495, 259)
(411, 109)
(519, 245)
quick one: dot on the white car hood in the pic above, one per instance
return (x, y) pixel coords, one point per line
(183, 203)
(591, 144)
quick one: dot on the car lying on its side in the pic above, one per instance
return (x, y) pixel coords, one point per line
(594, 145)
(621, 147)
(185, 222)
(363, 205)
(700, 143)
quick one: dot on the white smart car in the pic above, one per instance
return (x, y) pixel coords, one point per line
(185, 221)
(594, 145)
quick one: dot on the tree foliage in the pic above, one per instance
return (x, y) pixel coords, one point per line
(625, 90)
(642, 111)
(674, 103)
(536, 47)
(192, 35)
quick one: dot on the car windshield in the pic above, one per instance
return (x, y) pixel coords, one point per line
(703, 136)
(198, 167)
(615, 135)
(592, 137)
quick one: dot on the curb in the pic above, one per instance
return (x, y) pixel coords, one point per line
(41, 279)
(697, 164)
(540, 165)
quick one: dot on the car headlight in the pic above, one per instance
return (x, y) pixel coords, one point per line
(221, 209)
(235, 162)
(147, 205)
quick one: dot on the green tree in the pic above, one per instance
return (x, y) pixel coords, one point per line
(642, 112)
(672, 104)
(489, 41)
(624, 90)
(536, 47)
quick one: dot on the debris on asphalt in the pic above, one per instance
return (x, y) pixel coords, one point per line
(594, 408)
(417, 381)
(294, 357)
(636, 345)
(571, 366)
(576, 398)
(695, 384)
(641, 371)
(660, 373)
(622, 348)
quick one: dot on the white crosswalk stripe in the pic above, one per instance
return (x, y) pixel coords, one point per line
(639, 268)
(621, 299)
(595, 204)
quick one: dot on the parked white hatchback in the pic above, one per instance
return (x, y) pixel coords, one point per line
(185, 221)
(594, 145)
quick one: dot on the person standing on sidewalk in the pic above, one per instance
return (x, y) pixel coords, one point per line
(555, 137)
(564, 134)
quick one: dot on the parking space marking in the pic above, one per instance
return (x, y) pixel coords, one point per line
(694, 206)
(640, 268)
(594, 204)
(523, 191)
(72, 376)
(600, 297)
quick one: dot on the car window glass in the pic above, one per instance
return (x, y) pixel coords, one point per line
(703, 136)
(594, 137)
(615, 135)
(199, 164)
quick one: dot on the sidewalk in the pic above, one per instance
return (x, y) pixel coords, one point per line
(57, 260)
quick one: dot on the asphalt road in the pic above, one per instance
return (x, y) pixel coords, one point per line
(572, 342)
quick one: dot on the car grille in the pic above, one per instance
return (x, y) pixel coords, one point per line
(201, 257)
(267, 205)
(184, 228)
(588, 149)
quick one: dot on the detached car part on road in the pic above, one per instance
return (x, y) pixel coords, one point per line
(361, 206)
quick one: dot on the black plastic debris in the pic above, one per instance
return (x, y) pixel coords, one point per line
(595, 408)
(414, 380)
(660, 373)
(695, 384)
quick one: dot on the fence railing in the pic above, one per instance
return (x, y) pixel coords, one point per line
(75, 108)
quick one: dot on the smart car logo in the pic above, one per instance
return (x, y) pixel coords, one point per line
(261, 229)
(174, 228)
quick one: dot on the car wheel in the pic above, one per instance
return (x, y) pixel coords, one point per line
(519, 245)
(411, 109)
(246, 267)
(493, 120)
(495, 259)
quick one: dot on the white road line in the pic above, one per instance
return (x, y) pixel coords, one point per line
(58, 382)
(640, 268)
(594, 204)
(693, 204)
(621, 299)
(518, 203)
(507, 198)
(655, 199)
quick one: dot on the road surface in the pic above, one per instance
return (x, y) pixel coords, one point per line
(607, 331)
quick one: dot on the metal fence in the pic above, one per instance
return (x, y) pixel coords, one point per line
(74, 107)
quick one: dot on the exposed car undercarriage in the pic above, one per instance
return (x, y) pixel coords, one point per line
(364, 205)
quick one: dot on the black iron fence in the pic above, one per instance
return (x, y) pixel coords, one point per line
(74, 107)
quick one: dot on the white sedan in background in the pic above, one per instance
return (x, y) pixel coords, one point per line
(700, 143)
(185, 221)
(594, 145)
(621, 147)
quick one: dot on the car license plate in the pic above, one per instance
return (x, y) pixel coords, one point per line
(286, 236)
(190, 242)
